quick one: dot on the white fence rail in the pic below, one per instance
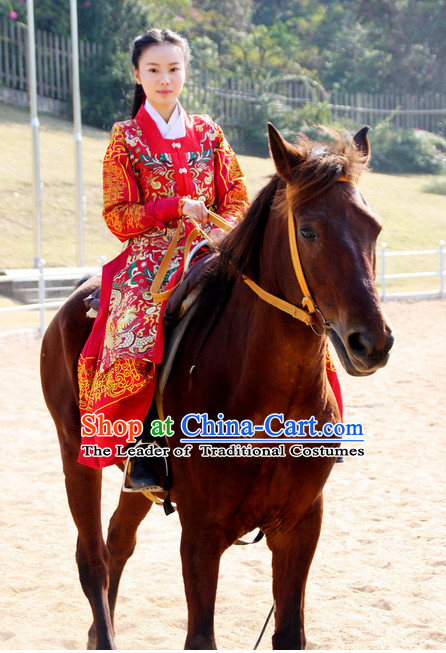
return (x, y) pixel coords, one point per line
(38, 280)
(383, 279)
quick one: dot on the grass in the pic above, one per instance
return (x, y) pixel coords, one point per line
(58, 197)
(436, 186)
(412, 219)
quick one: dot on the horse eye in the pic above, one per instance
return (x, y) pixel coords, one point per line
(308, 233)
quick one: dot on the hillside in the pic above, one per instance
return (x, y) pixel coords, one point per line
(412, 219)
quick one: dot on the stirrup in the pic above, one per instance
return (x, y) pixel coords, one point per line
(129, 488)
(148, 489)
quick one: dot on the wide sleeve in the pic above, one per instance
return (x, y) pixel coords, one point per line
(230, 182)
(125, 213)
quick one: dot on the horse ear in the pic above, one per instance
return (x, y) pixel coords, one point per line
(361, 141)
(285, 156)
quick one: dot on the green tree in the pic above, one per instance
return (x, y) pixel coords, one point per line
(354, 45)
(204, 53)
(412, 33)
(355, 65)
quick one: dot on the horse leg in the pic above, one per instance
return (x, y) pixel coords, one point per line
(292, 553)
(121, 540)
(201, 550)
(84, 497)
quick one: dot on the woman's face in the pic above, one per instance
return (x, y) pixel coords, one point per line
(161, 72)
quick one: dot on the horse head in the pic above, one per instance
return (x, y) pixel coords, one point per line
(336, 235)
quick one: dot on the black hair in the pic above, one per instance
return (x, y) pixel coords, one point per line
(154, 36)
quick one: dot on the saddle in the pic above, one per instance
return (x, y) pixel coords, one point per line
(178, 313)
(185, 295)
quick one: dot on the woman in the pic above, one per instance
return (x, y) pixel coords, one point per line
(160, 166)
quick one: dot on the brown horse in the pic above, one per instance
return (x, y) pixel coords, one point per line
(246, 359)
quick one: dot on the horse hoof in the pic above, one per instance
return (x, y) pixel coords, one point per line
(91, 642)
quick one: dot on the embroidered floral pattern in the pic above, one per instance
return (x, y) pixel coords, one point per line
(99, 390)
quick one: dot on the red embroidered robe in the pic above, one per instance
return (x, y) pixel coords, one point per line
(144, 178)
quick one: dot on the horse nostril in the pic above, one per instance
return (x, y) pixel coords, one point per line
(360, 344)
(390, 341)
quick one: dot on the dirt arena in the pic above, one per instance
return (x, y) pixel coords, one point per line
(378, 580)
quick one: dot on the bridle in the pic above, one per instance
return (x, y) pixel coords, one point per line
(309, 308)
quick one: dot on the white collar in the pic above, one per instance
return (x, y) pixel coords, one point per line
(175, 128)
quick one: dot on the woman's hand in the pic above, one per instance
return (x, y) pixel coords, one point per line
(195, 209)
(217, 236)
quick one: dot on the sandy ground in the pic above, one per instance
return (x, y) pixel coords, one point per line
(378, 580)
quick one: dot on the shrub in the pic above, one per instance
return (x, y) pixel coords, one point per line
(288, 120)
(407, 150)
(106, 89)
(436, 186)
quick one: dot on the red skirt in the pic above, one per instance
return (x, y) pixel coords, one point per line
(122, 392)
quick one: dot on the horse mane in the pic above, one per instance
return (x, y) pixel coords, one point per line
(318, 166)
(240, 250)
(239, 253)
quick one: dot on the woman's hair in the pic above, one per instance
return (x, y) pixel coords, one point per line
(154, 36)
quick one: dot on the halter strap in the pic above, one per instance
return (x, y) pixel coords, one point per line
(281, 304)
(307, 300)
(344, 178)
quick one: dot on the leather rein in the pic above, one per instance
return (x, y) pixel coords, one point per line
(309, 308)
